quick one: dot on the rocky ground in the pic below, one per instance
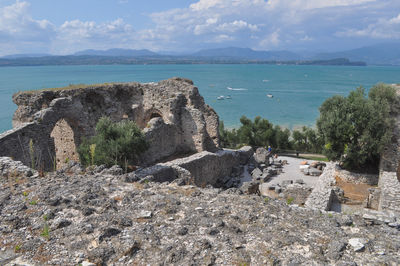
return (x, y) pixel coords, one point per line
(75, 217)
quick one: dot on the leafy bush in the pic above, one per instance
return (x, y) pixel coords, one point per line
(307, 139)
(355, 129)
(262, 133)
(114, 143)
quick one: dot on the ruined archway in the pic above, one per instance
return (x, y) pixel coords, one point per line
(64, 142)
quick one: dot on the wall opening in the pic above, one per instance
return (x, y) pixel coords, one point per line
(64, 142)
(154, 115)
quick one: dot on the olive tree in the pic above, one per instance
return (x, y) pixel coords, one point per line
(356, 128)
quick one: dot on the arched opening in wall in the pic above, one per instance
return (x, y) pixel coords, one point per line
(150, 114)
(154, 115)
(64, 143)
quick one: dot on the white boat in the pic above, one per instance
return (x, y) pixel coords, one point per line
(270, 95)
(220, 97)
(228, 97)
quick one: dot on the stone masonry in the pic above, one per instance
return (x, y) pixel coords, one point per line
(389, 178)
(172, 113)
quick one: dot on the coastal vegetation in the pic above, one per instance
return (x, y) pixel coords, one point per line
(356, 128)
(262, 133)
(117, 143)
(353, 130)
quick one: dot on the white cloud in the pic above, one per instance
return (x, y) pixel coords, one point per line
(314, 4)
(260, 24)
(89, 29)
(16, 23)
(236, 26)
(223, 38)
(383, 29)
(270, 41)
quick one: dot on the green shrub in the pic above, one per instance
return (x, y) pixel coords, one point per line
(289, 200)
(114, 143)
(355, 129)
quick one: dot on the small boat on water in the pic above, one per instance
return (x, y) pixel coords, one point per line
(270, 95)
(228, 97)
(221, 97)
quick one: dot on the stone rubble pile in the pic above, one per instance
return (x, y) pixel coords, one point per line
(94, 217)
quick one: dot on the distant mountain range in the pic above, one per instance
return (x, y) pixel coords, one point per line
(383, 54)
(16, 56)
(117, 52)
(247, 53)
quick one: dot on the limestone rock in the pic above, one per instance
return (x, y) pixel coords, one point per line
(172, 113)
(245, 154)
(256, 173)
(262, 156)
(358, 244)
(9, 167)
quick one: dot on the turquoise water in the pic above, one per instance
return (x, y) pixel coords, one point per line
(297, 91)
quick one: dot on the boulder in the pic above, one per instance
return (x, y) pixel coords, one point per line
(256, 173)
(304, 168)
(261, 156)
(358, 244)
(10, 167)
(245, 154)
(250, 187)
(314, 172)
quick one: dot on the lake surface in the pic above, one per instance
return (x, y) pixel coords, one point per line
(297, 91)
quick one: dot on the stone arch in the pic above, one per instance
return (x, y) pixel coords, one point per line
(64, 142)
(152, 113)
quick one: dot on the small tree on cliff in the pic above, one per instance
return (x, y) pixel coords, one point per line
(355, 129)
(114, 143)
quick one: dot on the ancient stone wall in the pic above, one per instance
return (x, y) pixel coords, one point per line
(322, 195)
(201, 169)
(389, 180)
(172, 113)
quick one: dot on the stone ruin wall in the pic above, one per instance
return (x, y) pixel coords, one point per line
(389, 177)
(386, 197)
(172, 114)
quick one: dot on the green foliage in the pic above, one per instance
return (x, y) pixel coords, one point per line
(33, 202)
(32, 153)
(262, 133)
(17, 248)
(307, 139)
(257, 133)
(114, 143)
(46, 231)
(356, 128)
(289, 200)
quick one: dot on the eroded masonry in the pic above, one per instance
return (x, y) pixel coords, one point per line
(50, 124)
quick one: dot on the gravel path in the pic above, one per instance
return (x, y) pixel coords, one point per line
(291, 171)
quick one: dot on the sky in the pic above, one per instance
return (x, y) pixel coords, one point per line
(65, 27)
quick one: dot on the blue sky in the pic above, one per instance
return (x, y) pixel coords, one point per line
(63, 27)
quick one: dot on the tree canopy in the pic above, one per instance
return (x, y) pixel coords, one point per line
(356, 128)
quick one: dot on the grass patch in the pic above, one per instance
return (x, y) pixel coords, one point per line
(315, 158)
(69, 87)
(45, 232)
(289, 200)
(33, 202)
(17, 248)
